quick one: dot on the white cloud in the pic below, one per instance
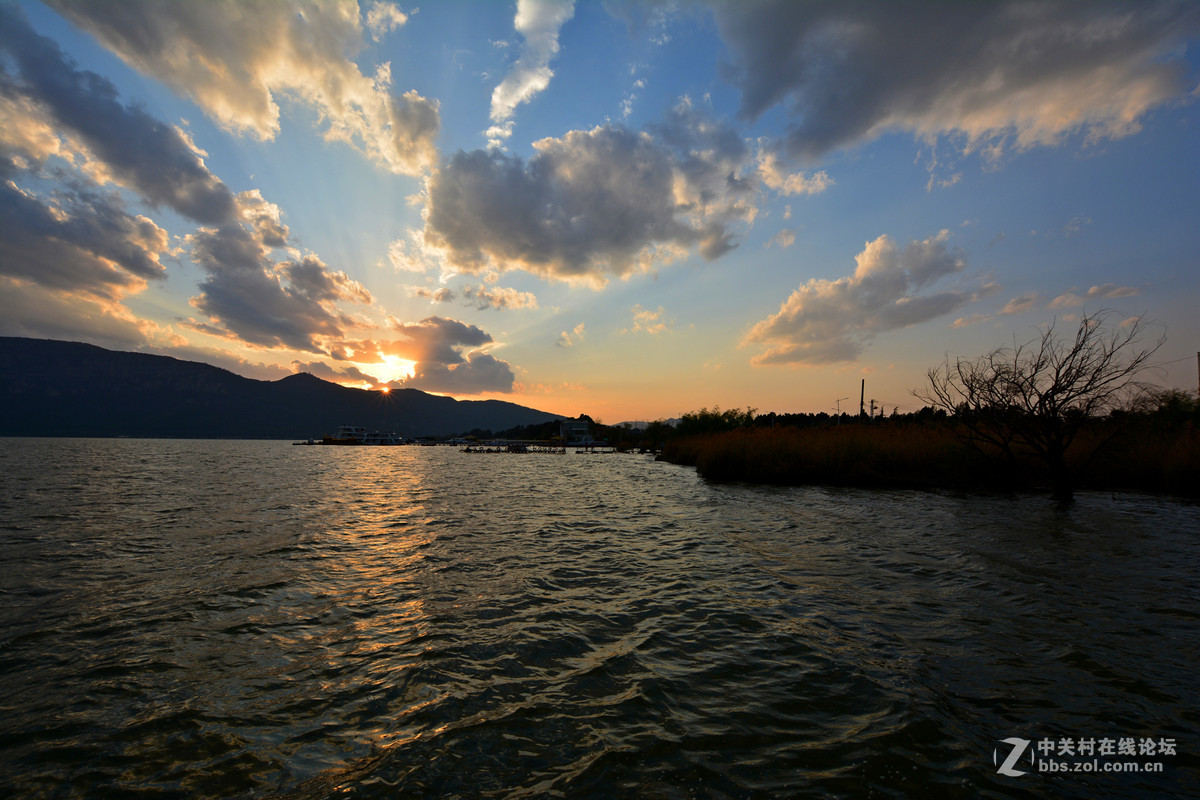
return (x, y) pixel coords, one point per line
(785, 238)
(238, 60)
(383, 18)
(1076, 225)
(973, 319)
(538, 22)
(828, 321)
(647, 321)
(566, 339)
(106, 140)
(1019, 305)
(1105, 291)
(794, 183)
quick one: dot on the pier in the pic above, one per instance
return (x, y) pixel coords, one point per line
(523, 446)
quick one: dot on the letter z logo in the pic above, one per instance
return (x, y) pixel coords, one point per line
(1018, 749)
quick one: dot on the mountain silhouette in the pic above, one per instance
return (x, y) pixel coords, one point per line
(56, 388)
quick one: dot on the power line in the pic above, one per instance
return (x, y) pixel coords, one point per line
(1176, 361)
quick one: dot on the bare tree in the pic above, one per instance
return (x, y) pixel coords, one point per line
(1036, 397)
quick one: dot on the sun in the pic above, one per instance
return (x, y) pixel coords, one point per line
(392, 369)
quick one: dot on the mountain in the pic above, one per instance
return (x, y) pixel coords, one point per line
(54, 388)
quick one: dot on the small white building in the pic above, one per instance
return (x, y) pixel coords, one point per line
(575, 433)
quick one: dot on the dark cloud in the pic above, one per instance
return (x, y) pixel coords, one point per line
(76, 240)
(478, 373)
(80, 240)
(1024, 72)
(436, 339)
(589, 202)
(323, 370)
(593, 204)
(311, 278)
(83, 240)
(260, 309)
(271, 304)
(137, 149)
(480, 297)
(447, 355)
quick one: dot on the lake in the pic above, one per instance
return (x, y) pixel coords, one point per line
(213, 619)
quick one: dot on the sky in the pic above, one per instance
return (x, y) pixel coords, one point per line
(625, 209)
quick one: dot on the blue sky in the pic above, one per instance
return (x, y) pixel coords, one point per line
(624, 209)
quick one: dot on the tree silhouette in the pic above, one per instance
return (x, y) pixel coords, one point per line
(1036, 397)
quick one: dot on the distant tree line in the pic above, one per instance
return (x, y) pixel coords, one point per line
(1060, 412)
(1056, 411)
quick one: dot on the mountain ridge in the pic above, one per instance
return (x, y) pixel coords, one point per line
(50, 387)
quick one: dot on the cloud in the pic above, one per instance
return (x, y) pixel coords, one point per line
(249, 295)
(1075, 225)
(436, 339)
(1019, 305)
(999, 74)
(77, 240)
(449, 357)
(323, 370)
(570, 339)
(772, 175)
(973, 319)
(538, 22)
(383, 18)
(137, 150)
(652, 322)
(589, 205)
(41, 312)
(785, 238)
(1104, 291)
(237, 60)
(481, 297)
(81, 240)
(478, 373)
(440, 295)
(828, 321)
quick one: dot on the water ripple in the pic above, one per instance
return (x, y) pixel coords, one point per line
(246, 619)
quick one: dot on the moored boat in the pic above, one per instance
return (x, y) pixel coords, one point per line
(356, 435)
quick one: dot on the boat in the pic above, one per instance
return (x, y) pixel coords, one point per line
(356, 435)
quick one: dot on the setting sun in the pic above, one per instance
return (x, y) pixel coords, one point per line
(392, 369)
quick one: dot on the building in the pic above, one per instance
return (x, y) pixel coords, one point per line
(576, 432)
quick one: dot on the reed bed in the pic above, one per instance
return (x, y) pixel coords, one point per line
(881, 454)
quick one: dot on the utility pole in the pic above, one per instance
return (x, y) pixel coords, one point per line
(862, 393)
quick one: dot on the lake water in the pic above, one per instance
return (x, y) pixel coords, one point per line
(220, 619)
